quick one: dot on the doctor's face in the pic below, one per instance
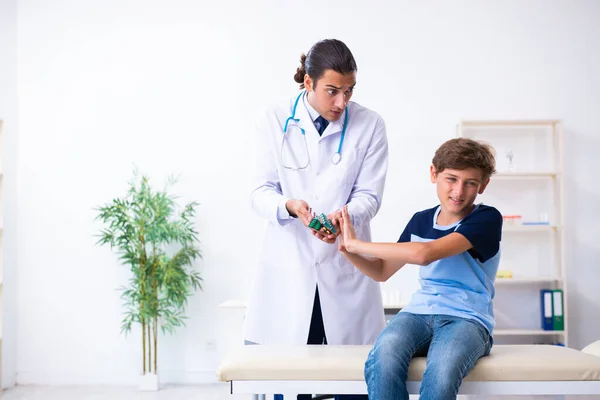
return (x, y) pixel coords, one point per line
(330, 94)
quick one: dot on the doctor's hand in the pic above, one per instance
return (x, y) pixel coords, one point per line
(335, 218)
(349, 239)
(299, 209)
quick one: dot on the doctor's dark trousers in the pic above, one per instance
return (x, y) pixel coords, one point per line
(316, 335)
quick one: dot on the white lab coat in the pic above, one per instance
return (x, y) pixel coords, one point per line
(292, 261)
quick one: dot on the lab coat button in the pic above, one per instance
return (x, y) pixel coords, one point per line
(318, 173)
(316, 264)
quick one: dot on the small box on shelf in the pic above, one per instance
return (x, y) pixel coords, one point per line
(504, 274)
(512, 219)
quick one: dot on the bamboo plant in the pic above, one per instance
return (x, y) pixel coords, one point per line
(158, 242)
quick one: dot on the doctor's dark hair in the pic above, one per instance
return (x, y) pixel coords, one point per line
(326, 54)
(464, 153)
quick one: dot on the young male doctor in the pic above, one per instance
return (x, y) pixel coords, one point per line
(318, 151)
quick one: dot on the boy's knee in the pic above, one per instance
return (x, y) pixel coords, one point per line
(388, 349)
(388, 357)
(387, 343)
(443, 379)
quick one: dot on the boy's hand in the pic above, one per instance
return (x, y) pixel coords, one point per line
(341, 246)
(348, 233)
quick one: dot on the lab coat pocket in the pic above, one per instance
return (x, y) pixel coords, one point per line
(349, 166)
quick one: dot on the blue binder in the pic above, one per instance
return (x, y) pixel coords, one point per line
(547, 310)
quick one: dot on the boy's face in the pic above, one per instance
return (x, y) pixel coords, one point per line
(458, 189)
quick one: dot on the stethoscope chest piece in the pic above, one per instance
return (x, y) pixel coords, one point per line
(337, 157)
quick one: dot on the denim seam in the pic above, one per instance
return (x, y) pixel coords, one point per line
(424, 341)
(430, 327)
(479, 349)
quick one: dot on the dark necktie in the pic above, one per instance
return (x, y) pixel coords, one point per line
(322, 124)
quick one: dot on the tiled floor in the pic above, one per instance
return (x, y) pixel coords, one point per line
(170, 392)
(175, 392)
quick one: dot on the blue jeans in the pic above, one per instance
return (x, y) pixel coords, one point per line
(452, 346)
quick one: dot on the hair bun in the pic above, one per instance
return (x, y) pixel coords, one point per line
(301, 70)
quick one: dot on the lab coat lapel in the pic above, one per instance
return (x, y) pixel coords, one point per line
(335, 126)
(306, 122)
(308, 125)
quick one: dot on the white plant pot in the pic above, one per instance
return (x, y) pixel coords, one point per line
(149, 383)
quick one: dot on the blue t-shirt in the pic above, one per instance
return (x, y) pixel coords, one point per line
(461, 285)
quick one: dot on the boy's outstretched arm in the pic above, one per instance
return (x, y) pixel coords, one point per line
(398, 254)
(377, 269)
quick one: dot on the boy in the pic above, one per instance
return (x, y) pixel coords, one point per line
(457, 243)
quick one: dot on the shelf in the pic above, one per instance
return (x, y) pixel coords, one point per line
(526, 332)
(526, 280)
(525, 175)
(529, 228)
(514, 123)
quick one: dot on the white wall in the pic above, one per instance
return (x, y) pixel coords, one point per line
(175, 87)
(8, 114)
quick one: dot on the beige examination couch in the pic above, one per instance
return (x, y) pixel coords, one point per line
(508, 370)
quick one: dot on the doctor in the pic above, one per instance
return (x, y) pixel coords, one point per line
(317, 151)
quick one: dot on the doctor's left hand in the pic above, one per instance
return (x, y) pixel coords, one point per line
(336, 218)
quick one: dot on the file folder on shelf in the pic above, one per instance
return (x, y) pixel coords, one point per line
(558, 314)
(547, 309)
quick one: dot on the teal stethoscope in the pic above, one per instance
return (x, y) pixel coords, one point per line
(337, 156)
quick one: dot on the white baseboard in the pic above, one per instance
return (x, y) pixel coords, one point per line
(116, 378)
(188, 377)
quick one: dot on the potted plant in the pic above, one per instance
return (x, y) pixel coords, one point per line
(158, 242)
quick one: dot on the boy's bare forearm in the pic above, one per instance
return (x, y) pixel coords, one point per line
(372, 267)
(417, 253)
(405, 253)
(375, 268)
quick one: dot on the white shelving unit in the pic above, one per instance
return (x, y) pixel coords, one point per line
(526, 281)
(530, 183)
(1, 246)
(525, 332)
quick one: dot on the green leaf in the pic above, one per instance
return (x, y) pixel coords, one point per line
(158, 242)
